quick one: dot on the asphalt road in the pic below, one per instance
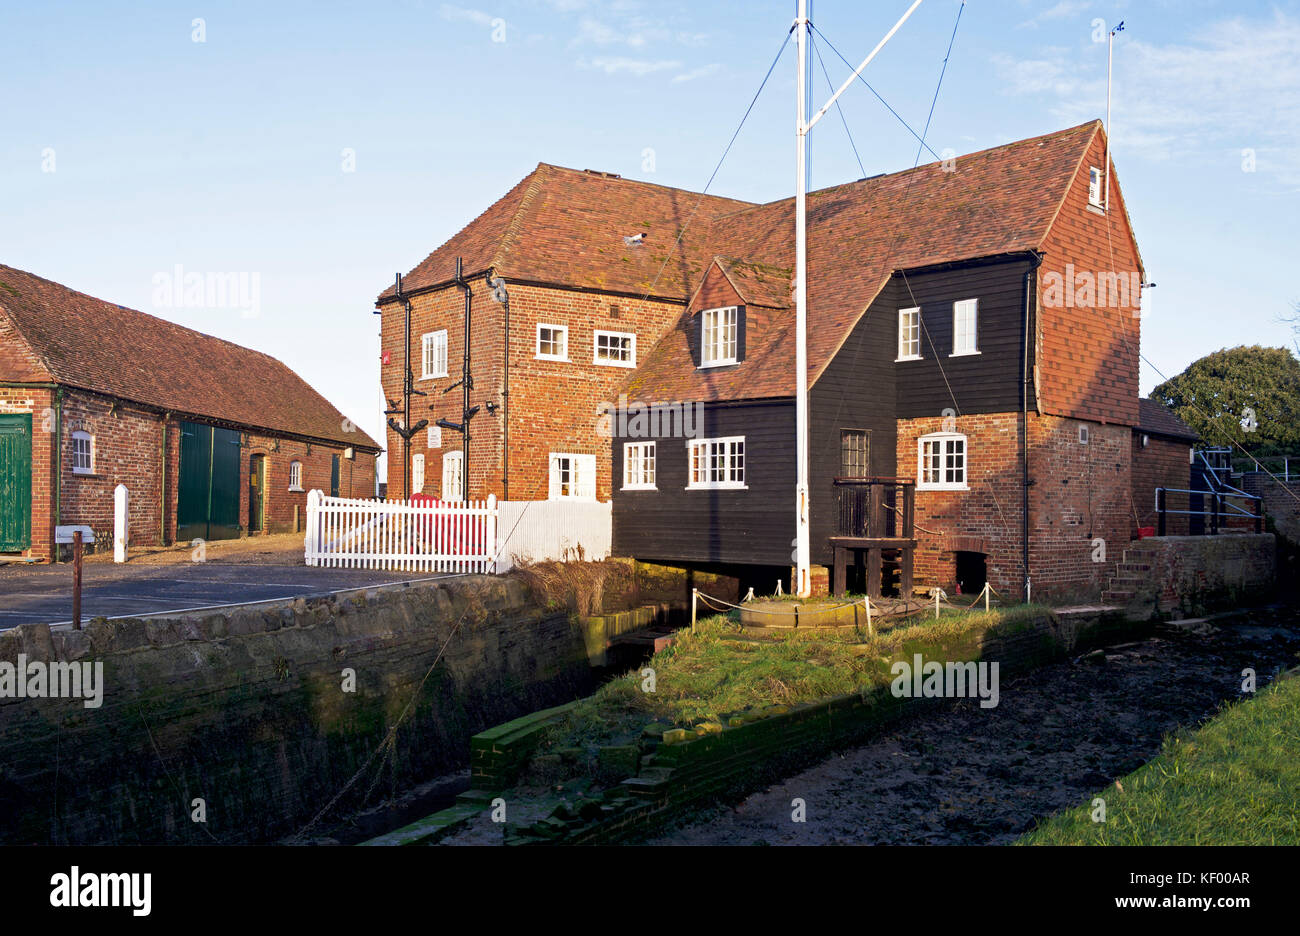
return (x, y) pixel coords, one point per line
(43, 594)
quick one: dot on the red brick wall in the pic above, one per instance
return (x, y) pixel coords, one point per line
(553, 405)
(1162, 463)
(1079, 493)
(128, 450)
(1087, 356)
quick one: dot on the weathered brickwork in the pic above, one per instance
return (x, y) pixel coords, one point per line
(1160, 463)
(128, 448)
(1079, 504)
(553, 405)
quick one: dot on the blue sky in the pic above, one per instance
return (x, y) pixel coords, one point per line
(232, 154)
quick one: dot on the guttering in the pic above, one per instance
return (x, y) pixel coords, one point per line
(545, 284)
(1031, 292)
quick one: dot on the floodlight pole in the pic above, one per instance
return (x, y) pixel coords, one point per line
(802, 584)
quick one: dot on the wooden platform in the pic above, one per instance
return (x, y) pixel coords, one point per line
(844, 547)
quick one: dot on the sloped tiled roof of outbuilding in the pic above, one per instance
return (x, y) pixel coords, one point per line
(1157, 419)
(80, 341)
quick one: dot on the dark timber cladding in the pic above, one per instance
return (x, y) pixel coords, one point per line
(988, 382)
(754, 526)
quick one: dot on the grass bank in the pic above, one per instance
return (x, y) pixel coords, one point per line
(721, 671)
(1233, 781)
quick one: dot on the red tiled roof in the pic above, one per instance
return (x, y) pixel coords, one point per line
(1155, 418)
(84, 342)
(567, 227)
(996, 201)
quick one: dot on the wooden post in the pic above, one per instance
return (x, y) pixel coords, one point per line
(839, 583)
(873, 571)
(909, 511)
(76, 580)
(1259, 515)
(875, 502)
(695, 597)
(905, 583)
(871, 631)
(1160, 511)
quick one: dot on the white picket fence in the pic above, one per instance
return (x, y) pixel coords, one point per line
(444, 536)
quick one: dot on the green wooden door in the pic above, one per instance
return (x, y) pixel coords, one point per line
(15, 482)
(334, 476)
(207, 494)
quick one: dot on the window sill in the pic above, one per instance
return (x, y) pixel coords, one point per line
(964, 353)
(717, 487)
(943, 487)
(546, 357)
(713, 364)
(628, 365)
(899, 360)
(1096, 209)
(295, 490)
(432, 377)
(638, 487)
(82, 473)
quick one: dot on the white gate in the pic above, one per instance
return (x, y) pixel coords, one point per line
(416, 536)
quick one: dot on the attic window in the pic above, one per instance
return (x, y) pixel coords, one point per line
(1094, 187)
(718, 336)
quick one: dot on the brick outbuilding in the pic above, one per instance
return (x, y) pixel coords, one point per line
(212, 440)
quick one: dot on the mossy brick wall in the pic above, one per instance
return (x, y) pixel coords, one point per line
(717, 762)
(1196, 574)
(246, 710)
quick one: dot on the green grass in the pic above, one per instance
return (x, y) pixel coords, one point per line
(1234, 781)
(720, 670)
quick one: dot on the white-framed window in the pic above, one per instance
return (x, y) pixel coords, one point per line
(1095, 185)
(417, 474)
(572, 476)
(435, 437)
(615, 349)
(718, 329)
(716, 463)
(965, 327)
(433, 356)
(638, 466)
(552, 342)
(941, 462)
(453, 475)
(909, 334)
(83, 453)
(295, 476)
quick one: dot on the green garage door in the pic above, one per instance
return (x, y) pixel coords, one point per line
(15, 482)
(207, 504)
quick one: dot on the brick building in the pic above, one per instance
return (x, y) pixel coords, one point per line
(973, 330)
(212, 440)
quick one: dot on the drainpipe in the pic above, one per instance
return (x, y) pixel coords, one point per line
(1031, 283)
(505, 389)
(58, 466)
(162, 487)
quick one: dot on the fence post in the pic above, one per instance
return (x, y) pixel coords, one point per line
(120, 530)
(986, 596)
(695, 597)
(76, 580)
(871, 631)
(1259, 515)
(490, 536)
(311, 543)
(1214, 515)
(1160, 511)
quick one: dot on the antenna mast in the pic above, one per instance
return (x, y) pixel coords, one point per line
(1110, 61)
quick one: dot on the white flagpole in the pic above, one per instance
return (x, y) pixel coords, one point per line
(802, 586)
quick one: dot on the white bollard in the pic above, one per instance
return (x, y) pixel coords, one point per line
(120, 532)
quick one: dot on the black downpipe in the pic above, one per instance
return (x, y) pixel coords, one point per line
(466, 384)
(1031, 282)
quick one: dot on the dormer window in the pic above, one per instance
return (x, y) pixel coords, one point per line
(1095, 187)
(718, 332)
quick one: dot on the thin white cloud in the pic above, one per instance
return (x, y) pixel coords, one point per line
(457, 14)
(702, 72)
(615, 65)
(1230, 87)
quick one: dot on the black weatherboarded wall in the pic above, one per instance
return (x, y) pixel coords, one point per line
(752, 526)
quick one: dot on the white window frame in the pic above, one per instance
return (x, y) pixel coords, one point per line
(733, 451)
(433, 355)
(78, 436)
(639, 466)
(725, 336)
(1096, 181)
(453, 475)
(417, 474)
(902, 313)
(295, 475)
(582, 476)
(941, 438)
(610, 362)
(561, 329)
(958, 307)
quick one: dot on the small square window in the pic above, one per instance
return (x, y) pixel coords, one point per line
(552, 342)
(941, 462)
(639, 466)
(615, 349)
